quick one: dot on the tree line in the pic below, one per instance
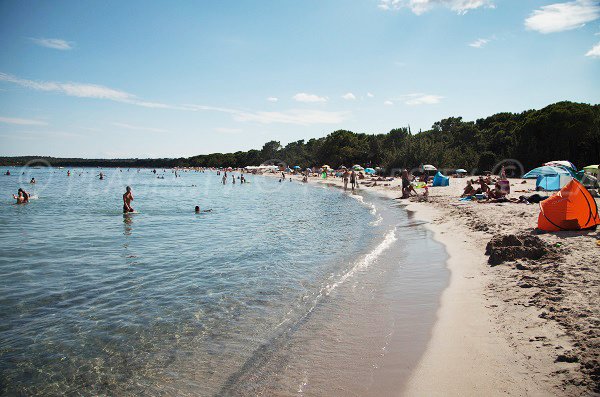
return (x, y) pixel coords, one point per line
(561, 131)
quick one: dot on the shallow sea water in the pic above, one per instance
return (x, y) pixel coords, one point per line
(283, 289)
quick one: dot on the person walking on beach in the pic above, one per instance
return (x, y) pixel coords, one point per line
(345, 177)
(127, 199)
(353, 180)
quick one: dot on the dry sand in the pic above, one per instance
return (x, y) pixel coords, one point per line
(525, 327)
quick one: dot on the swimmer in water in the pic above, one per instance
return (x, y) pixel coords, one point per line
(7, 173)
(127, 199)
(32, 181)
(101, 176)
(69, 173)
(197, 210)
(22, 197)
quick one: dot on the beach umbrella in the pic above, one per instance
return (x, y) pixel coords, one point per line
(296, 167)
(369, 170)
(429, 167)
(288, 170)
(545, 171)
(461, 171)
(357, 167)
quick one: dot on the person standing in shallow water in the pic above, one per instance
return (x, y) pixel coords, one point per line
(127, 199)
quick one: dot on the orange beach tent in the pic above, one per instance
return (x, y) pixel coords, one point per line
(571, 208)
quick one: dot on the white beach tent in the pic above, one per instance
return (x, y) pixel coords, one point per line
(429, 167)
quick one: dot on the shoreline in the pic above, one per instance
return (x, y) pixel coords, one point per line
(490, 337)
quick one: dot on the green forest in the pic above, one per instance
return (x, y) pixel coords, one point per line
(561, 131)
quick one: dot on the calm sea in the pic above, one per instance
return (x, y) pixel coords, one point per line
(283, 289)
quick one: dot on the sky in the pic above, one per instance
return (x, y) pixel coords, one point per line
(141, 79)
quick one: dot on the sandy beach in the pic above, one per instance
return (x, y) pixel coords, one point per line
(524, 327)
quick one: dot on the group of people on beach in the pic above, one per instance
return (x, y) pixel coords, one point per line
(350, 176)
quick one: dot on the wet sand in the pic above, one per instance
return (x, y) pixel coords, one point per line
(526, 327)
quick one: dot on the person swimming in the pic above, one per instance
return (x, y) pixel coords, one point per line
(197, 210)
(22, 197)
(32, 181)
(7, 173)
(127, 199)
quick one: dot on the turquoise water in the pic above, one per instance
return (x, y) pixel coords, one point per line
(165, 301)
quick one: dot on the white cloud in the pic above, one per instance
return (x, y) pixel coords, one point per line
(304, 97)
(295, 116)
(420, 99)
(563, 16)
(272, 99)
(138, 128)
(421, 6)
(370, 95)
(388, 103)
(479, 43)
(83, 91)
(594, 52)
(10, 120)
(57, 44)
(349, 96)
(300, 117)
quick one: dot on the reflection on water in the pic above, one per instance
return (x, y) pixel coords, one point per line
(194, 305)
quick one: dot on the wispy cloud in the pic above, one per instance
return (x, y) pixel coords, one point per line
(421, 6)
(304, 97)
(388, 103)
(594, 52)
(11, 120)
(294, 116)
(81, 90)
(370, 95)
(479, 43)
(563, 16)
(420, 99)
(349, 96)
(272, 99)
(138, 128)
(57, 44)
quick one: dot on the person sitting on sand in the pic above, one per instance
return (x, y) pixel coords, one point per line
(127, 199)
(469, 190)
(407, 187)
(483, 187)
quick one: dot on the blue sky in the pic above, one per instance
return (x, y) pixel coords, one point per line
(170, 79)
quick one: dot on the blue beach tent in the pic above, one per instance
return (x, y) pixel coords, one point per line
(545, 170)
(441, 180)
(552, 182)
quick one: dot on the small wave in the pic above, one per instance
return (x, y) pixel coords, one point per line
(365, 262)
